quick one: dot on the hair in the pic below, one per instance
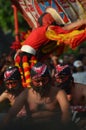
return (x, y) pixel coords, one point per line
(40, 20)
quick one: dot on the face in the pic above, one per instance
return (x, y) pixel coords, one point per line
(64, 82)
(11, 84)
(61, 79)
(47, 19)
(40, 84)
(40, 81)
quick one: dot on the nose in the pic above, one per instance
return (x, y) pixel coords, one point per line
(59, 80)
(40, 83)
(10, 86)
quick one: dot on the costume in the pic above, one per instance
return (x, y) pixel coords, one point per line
(41, 42)
(34, 49)
(26, 59)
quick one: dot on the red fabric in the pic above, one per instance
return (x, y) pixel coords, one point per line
(76, 41)
(37, 38)
(78, 108)
(72, 41)
(15, 45)
(59, 30)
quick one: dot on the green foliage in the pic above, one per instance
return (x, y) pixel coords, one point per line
(7, 17)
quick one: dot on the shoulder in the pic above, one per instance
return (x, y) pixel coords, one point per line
(25, 92)
(80, 85)
(61, 94)
(79, 89)
(58, 91)
(5, 93)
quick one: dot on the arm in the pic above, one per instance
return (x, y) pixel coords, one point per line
(72, 26)
(3, 96)
(75, 24)
(19, 103)
(64, 105)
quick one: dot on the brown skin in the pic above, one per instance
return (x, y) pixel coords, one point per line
(47, 20)
(43, 108)
(73, 25)
(78, 93)
(83, 2)
(12, 96)
(78, 97)
(6, 95)
(49, 103)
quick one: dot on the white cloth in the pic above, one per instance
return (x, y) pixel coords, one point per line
(79, 77)
(28, 49)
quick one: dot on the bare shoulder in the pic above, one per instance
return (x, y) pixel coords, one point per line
(61, 93)
(79, 94)
(79, 89)
(80, 85)
(55, 89)
(58, 92)
(4, 95)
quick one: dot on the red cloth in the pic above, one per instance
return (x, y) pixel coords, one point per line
(37, 38)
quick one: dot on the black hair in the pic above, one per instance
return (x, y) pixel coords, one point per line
(41, 18)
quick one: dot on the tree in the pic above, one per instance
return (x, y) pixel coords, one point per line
(7, 17)
(7, 27)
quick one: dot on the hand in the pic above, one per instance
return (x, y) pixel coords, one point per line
(83, 2)
(17, 53)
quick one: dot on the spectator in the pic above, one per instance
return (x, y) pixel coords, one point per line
(84, 61)
(54, 59)
(81, 52)
(80, 75)
(53, 62)
(82, 49)
(72, 58)
(5, 62)
(65, 59)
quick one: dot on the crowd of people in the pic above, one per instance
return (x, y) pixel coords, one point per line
(43, 94)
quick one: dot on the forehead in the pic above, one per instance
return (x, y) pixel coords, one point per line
(39, 78)
(10, 81)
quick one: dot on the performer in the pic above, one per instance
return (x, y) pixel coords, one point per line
(76, 94)
(39, 38)
(47, 106)
(13, 87)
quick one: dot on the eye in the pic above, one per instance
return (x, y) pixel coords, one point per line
(10, 83)
(37, 81)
